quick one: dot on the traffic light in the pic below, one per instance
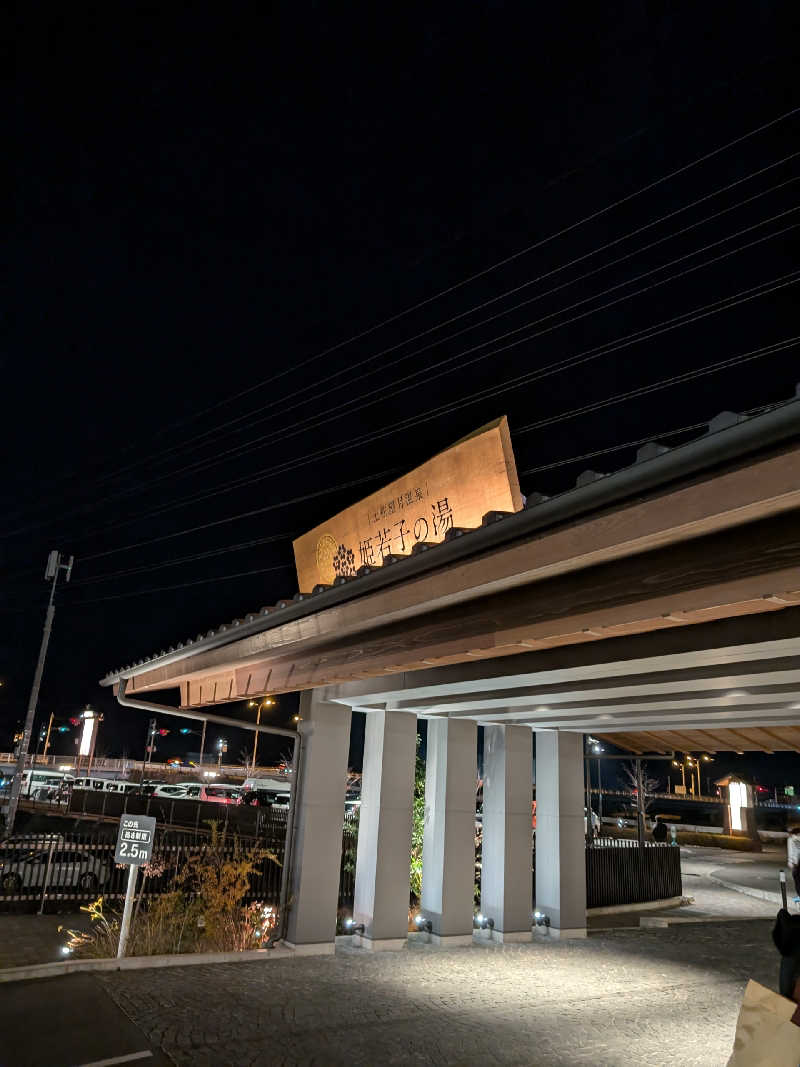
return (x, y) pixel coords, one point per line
(75, 722)
(63, 729)
(162, 732)
(185, 730)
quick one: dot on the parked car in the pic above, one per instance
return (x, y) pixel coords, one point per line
(222, 794)
(43, 784)
(70, 868)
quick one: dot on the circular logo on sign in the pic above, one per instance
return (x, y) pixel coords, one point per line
(326, 550)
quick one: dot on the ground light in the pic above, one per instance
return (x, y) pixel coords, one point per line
(541, 919)
(424, 924)
(353, 927)
(484, 923)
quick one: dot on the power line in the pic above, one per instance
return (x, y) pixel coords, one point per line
(289, 465)
(258, 541)
(612, 448)
(758, 353)
(255, 542)
(482, 273)
(607, 348)
(310, 421)
(363, 401)
(243, 515)
(508, 259)
(181, 585)
(191, 558)
(257, 511)
(247, 417)
(356, 404)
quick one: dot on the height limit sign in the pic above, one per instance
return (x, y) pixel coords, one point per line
(135, 839)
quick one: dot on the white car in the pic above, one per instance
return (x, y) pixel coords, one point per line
(70, 868)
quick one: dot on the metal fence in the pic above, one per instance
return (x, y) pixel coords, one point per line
(170, 811)
(62, 871)
(622, 872)
(65, 870)
(618, 872)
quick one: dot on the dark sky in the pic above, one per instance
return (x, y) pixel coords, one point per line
(208, 205)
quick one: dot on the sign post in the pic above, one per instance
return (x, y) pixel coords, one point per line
(134, 847)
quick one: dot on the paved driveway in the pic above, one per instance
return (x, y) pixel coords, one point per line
(634, 998)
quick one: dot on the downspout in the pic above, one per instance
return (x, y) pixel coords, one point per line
(224, 720)
(179, 713)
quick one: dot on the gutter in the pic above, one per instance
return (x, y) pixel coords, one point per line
(752, 435)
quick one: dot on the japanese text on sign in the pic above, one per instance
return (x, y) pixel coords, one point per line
(135, 839)
(455, 488)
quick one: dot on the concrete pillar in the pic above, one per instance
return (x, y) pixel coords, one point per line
(448, 846)
(560, 840)
(384, 831)
(506, 877)
(319, 822)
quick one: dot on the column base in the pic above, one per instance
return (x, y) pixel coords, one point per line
(314, 948)
(554, 934)
(450, 940)
(379, 944)
(504, 937)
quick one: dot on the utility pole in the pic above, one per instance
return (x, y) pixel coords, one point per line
(38, 742)
(52, 571)
(151, 740)
(265, 702)
(151, 733)
(47, 739)
(203, 743)
(255, 738)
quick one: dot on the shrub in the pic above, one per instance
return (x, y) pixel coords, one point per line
(204, 910)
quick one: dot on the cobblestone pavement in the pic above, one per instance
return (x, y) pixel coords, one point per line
(638, 998)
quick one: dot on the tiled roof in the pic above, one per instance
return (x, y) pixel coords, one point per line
(727, 436)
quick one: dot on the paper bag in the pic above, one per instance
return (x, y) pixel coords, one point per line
(765, 1033)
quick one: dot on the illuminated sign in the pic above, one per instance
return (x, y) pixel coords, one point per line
(86, 733)
(737, 799)
(456, 488)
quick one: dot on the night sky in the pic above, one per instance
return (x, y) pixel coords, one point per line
(215, 213)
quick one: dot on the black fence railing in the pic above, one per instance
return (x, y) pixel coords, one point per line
(347, 869)
(63, 871)
(621, 872)
(170, 811)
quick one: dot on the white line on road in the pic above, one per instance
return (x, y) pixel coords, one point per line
(119, 1059)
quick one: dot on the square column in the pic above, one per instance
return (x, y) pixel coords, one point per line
(506, 874)
(384, 830)
(319, 823)
(560, 838)
(448, 845)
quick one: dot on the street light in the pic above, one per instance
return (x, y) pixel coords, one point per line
(222, 746)
(265, 702)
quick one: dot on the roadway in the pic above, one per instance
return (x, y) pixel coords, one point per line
(69, 1022)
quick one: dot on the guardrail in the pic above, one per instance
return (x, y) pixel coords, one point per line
(127, 766)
